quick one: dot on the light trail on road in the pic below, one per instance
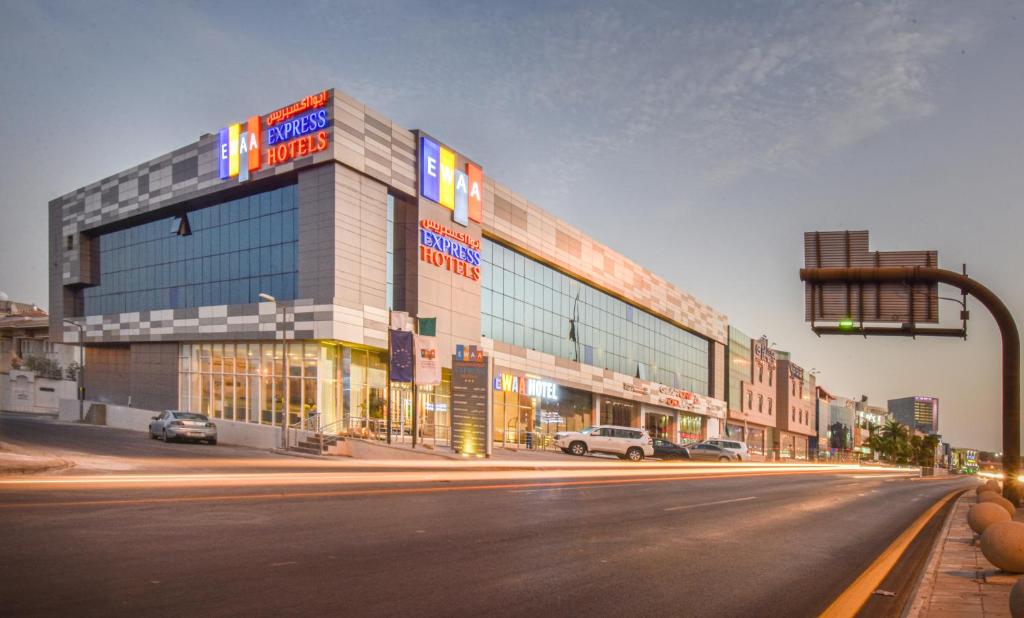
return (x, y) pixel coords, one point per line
(279, 479)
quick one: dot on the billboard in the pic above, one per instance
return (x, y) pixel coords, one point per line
(866, 302)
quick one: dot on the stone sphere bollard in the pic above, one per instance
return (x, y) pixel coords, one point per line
(984, 514)
(985, 489)
(1017, 599)
(994, 484)
(994, 498)
(1003, 545)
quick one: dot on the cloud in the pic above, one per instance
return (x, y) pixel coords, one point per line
(723, 93)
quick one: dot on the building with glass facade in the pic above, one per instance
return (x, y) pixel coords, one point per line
(251, 275)
(920, 413)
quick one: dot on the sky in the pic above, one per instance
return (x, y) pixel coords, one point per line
(700, 139)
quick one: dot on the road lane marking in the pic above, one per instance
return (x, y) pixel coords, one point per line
(372, 492)
(697, 506)
(857, 594)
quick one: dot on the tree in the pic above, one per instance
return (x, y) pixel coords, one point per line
(44, 367)
(924, 450)
(892, 442)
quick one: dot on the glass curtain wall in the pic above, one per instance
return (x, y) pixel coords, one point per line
(739, 366)
(317, 385)
(529, 304)
(236, 250)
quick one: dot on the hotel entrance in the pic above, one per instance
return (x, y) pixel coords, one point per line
(524, 420)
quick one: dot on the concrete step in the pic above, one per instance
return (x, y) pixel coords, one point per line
(309, 450)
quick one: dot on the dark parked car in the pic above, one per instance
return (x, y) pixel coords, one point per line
(663, 449)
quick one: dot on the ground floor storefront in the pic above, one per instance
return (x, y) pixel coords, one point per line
(791, 446)
(527, 411)
(310, 385)
(759, 438)
(335, 387)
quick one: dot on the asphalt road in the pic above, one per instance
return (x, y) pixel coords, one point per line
(744, 544)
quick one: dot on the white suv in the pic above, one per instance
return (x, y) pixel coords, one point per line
(626, 442)
(740, 448)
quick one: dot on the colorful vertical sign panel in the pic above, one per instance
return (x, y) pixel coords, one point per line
(476, 192)
(239, 150)
(447, 179)
(461, 215)
(430, 178)
(461, 191)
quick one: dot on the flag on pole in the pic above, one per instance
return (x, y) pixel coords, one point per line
(427, 326)
(428, 362)
(401, 355)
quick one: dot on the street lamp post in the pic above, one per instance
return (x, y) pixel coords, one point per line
(81, 367)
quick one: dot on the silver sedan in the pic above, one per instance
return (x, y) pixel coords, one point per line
(178, 425)
(709, 452)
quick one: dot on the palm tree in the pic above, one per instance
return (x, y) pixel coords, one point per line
(893, 441)
(874, 441)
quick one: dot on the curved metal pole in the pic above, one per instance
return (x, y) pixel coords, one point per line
(1007, 328)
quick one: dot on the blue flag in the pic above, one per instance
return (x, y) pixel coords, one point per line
(401, 355)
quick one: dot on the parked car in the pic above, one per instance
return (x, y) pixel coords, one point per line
(710, 452)
(668, 450)
(178, 425)
(626, 442)
(735, 446)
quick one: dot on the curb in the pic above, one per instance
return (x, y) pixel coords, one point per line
(35, 468)
(853, 598)
(927, 578)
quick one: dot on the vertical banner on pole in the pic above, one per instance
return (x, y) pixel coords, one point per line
(428, 363)
(401, 355)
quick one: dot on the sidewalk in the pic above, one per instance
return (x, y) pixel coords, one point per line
(15, 459)
(958, 580)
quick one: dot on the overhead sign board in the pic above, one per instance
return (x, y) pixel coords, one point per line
(853, 303)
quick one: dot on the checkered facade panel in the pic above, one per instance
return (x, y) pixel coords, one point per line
(300, 319)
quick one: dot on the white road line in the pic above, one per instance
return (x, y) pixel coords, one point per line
(695, 506)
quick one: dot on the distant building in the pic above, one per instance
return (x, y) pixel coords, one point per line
(868, 416)
(837, 419)
(25, 332)
(920, 413)
(795, 397)
(24, 338)
(751, 393)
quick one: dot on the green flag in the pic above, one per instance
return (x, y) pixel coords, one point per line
(427, 326)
